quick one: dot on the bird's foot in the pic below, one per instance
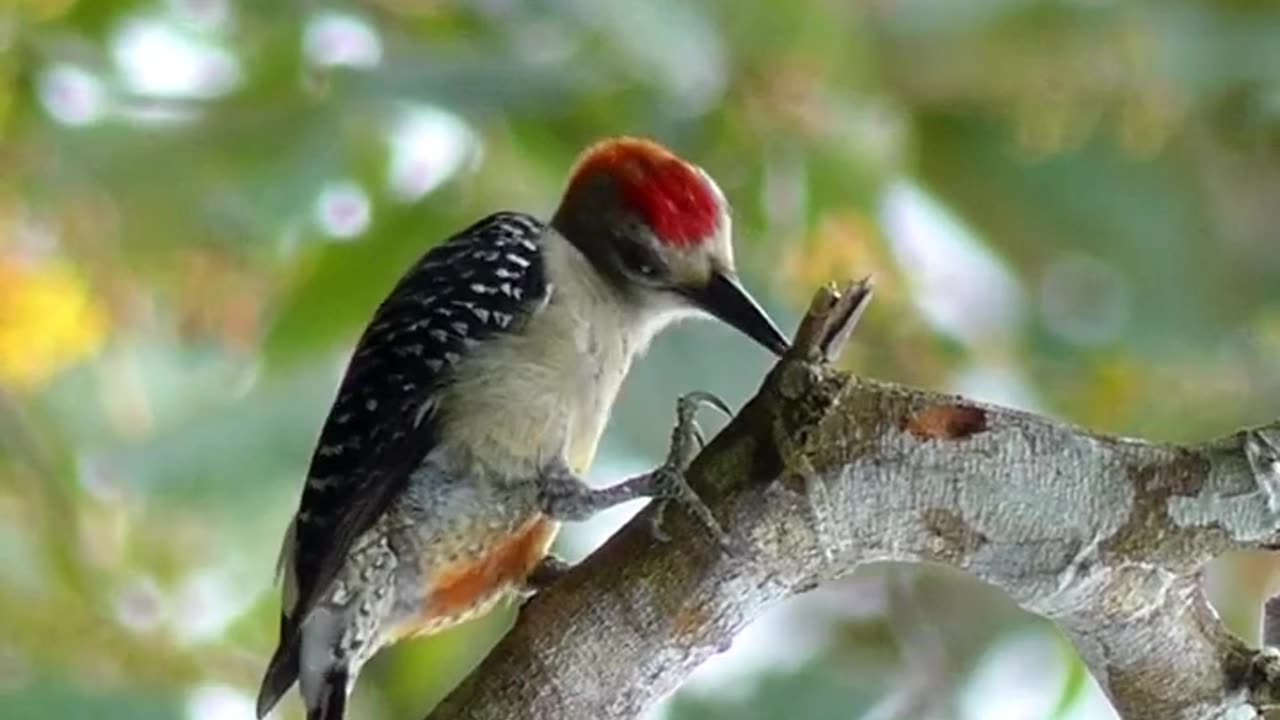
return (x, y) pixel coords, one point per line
(668, 480)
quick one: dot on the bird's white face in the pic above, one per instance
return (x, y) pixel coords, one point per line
(662, 227)
(664, 266)
(696, 275)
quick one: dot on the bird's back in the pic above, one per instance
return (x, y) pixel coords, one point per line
(461, 296)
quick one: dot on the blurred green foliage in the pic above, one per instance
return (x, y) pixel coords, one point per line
(1069, 205)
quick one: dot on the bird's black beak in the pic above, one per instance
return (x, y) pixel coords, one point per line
(725, 298)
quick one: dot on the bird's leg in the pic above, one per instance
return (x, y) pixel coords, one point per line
(565, 496)
(686, 442)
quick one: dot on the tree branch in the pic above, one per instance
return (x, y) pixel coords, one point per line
(823, 471)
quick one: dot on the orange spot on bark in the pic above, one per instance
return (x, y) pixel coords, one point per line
(466, 584)
(946, 422)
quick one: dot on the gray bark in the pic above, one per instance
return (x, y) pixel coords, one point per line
(823, 471)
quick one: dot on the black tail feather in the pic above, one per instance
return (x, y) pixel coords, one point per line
(281, 673)
(332, 704)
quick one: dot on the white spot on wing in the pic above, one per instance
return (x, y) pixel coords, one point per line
(423, 411)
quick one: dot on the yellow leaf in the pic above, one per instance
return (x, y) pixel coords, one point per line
(48, 321)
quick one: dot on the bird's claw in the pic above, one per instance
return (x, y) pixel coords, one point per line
(686, 437)
(689, 403)
(669, 480)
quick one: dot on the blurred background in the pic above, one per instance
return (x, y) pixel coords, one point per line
(1070, 206)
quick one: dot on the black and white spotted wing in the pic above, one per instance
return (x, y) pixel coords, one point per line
(480, 283)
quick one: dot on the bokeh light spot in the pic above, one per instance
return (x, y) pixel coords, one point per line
(428, 146)
(1083, 300)
(139, 605)
(337, 39)
(342, 209)
(219, 702)
(960, 286)
(154, 58)
(71, 95)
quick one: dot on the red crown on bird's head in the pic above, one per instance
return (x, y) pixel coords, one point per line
(675, 199)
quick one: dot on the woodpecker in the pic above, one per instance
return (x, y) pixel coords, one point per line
(476, 398)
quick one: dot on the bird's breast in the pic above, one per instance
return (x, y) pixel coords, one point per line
(536, 397)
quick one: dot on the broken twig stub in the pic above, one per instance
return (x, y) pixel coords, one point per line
(833, 314)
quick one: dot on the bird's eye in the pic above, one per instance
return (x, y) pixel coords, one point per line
(640, 260)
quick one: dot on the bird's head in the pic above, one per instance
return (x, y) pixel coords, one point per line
(659, 228)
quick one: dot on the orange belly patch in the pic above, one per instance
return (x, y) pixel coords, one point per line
(458, 591)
